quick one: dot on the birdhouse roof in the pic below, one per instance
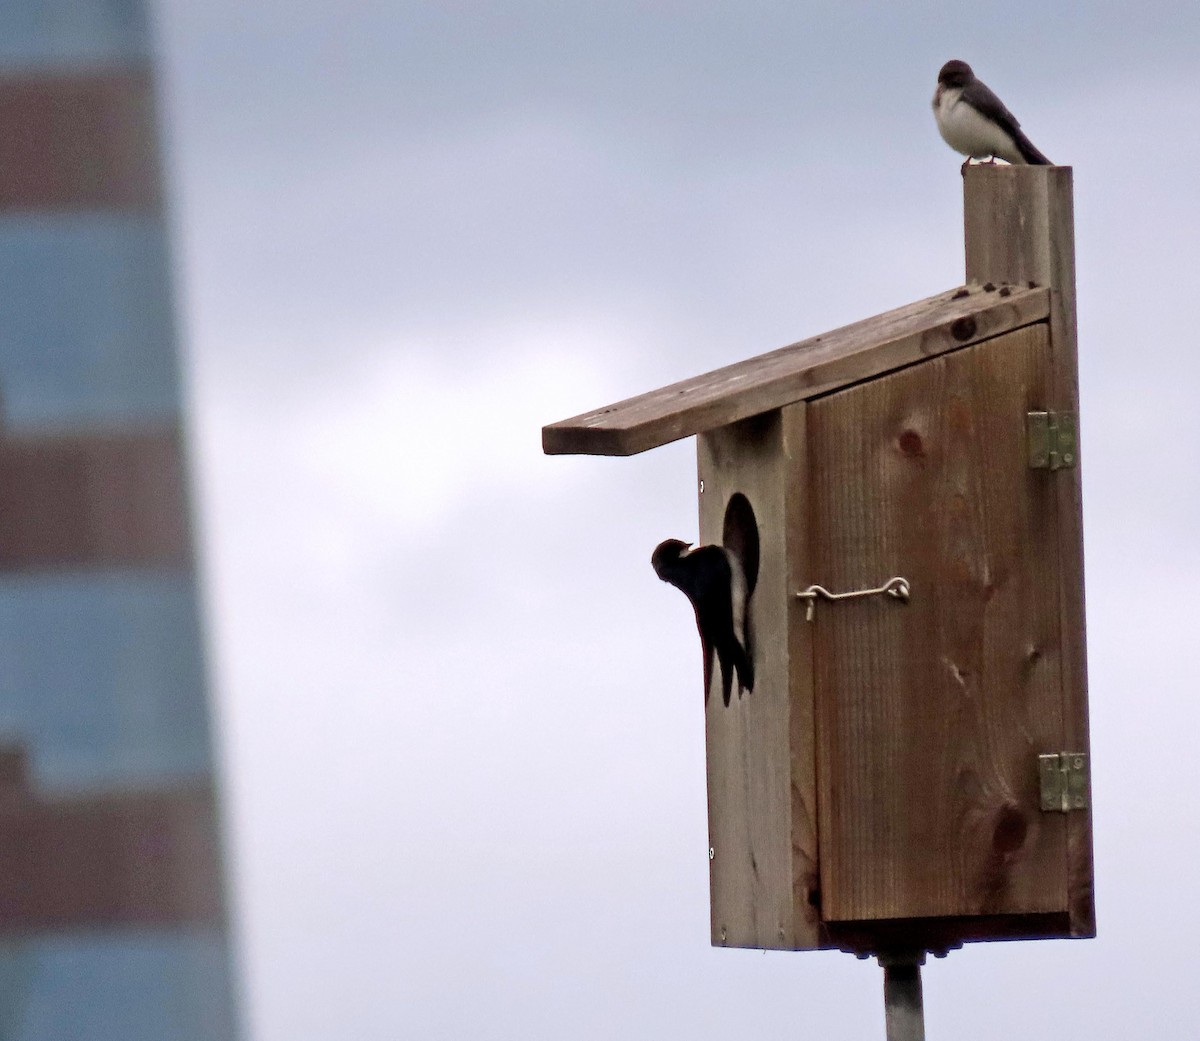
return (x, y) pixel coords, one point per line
(801, 371)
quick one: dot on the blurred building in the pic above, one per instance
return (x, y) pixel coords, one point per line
(113, 919)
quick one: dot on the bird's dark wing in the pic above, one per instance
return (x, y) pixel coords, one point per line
(705, 576)
(708, 660)
(725, 656)
(711, 593)
(745, 667)
(1028, 150)
(980, 97)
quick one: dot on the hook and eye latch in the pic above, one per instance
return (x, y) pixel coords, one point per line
(897, 588)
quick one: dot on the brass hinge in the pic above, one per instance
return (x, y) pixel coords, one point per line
(1053, 442)
(1065, 781)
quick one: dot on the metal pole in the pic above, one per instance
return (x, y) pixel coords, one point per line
(902, 1005)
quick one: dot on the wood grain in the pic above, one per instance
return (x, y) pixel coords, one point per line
(930, 716)
(804, 370)
(943, 934)
(761, 769)
(1020, 226)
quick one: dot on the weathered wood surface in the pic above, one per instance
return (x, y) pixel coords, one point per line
(761, 757)
(944, 934)
(804, 370)
(1020, 226)
(930, 715)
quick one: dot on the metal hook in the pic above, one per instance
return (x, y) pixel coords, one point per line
(894, 587)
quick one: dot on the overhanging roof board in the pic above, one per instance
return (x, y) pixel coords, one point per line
(953, 319)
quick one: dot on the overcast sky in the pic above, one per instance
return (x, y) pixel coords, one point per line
(460, 719)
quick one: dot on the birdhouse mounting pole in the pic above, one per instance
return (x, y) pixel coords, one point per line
(903, 1006)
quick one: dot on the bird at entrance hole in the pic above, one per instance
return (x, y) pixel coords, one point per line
(713, 579)
(973, 121)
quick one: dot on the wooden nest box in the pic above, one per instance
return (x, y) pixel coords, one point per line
(906, 774)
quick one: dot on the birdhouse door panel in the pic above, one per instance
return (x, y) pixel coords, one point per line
(930, 714)
(761, 784)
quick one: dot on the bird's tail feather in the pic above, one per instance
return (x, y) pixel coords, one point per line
(745, 669)
(708, 669)
(1028, 152)
(726, 660)
(734, 659)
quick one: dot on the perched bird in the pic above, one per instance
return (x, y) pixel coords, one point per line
(713, 579)
(973, 121)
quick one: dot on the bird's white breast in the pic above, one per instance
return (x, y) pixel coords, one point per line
(737, 591)
(966, 131)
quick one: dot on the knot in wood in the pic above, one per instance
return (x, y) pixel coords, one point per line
(1010, 830)
(911, 444)
(963, 328)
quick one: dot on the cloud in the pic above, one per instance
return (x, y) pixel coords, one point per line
(462, 716)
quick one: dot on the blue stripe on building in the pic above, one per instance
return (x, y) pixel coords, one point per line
(139, 985)
(102, 678)
(36, 33)
(86, 328)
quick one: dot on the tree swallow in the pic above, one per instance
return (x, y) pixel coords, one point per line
(973, 121)
(713, 579)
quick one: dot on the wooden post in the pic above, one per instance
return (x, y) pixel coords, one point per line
(1020, 228)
